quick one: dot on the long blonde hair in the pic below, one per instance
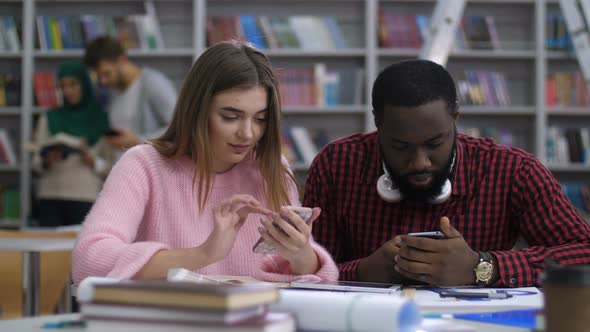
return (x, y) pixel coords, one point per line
(226, 66)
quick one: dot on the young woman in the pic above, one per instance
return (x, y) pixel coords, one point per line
(201, 195)
(70, 180)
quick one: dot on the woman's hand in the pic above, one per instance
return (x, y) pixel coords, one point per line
(291, 236)
(229, 217)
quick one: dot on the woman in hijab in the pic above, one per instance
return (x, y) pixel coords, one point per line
(72, 160)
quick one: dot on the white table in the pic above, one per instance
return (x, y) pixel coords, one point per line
(34, 324)
(31, 249)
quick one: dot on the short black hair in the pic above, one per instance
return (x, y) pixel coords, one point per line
(102, 48)
(413, 83)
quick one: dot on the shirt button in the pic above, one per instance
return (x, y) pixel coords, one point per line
(513, 280)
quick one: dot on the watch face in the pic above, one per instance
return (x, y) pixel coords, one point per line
(484, 271)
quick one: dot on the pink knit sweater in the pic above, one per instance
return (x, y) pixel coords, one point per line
(148, 203)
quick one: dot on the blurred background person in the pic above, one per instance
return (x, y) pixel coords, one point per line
(73, 159)
(141, 100)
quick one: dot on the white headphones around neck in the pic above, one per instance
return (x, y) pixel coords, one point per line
(389, 192)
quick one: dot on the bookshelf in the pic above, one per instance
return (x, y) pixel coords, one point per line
(522, 58)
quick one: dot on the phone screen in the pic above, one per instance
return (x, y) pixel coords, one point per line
(112, 132)
(430, 235)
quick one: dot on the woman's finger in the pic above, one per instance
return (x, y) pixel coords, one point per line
(279, 235)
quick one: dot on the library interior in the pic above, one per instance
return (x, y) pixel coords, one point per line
(152, 153)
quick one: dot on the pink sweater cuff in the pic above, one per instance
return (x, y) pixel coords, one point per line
(277, 269)
(123, 263)
(135, 258)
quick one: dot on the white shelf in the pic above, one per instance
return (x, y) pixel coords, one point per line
(337, 53)
(39, 110)
(398, 52)
(497, 110)
(560, 55)
(330, 110)
(464, 54)
(472, 1)
(10, 55)
(10, 110)
(78, 53)
(569, 111)
(495, 54)
(9, 224)
(568, 168)
(9, 168)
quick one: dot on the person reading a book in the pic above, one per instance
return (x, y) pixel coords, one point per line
(72, 160)
(141, 99)
(199, 196)
(416, 173)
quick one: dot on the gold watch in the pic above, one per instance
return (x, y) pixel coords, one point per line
(484, 269)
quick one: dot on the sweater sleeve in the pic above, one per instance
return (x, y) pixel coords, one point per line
(106, 244)
(275, 268)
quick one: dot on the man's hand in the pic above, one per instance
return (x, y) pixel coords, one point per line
(441, 262)
(125, 139)
(380, 265)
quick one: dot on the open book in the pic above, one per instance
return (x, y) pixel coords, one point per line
(67, 143)
(187, 275)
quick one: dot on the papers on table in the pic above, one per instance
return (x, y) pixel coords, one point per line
(429, 300)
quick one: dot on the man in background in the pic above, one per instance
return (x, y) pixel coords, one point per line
(141, 101)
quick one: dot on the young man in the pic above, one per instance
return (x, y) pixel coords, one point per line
(142, 100)
(416, 174)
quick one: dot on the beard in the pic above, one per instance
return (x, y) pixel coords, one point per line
(423, 194)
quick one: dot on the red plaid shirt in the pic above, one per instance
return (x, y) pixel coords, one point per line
(499, 193)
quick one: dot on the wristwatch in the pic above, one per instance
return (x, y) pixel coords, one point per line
(484, 269)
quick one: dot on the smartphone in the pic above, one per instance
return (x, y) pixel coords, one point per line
(112, 132)
(430, 235)
(262, 247)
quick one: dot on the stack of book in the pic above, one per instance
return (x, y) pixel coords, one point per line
(181, 306)
(306, 32)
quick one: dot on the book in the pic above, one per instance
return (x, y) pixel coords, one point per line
(67, 143)
(180, 274)
(166, 314)
(272, 322)
(181, 294)
(7, 152)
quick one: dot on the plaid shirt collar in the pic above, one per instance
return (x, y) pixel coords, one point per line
(373, 169)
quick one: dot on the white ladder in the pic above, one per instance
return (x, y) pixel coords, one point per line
(443, 27)
(574, 12)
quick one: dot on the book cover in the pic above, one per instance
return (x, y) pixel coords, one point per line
(147, 313)
(7, 147)
(268, 34)
(12, 37)
(183, 294)
(271, 322)
(67, 143)
(251, 30)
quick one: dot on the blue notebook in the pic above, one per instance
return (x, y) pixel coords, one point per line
(518, 318)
